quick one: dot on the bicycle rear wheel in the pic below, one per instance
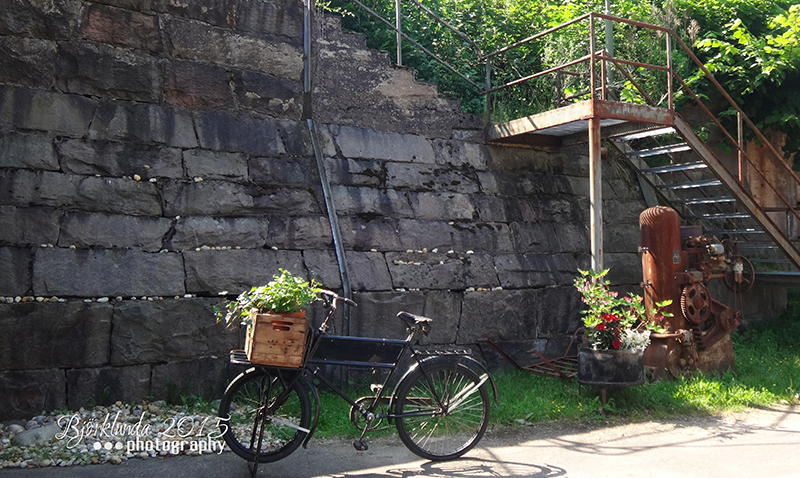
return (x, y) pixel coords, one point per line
(446, 428)
(259, 401)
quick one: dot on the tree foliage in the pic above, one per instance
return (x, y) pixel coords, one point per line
(760, 69)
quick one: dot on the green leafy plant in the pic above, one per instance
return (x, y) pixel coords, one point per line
(286, 294)
(614, 322)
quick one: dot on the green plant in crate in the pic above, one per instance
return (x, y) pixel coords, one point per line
(285, 294)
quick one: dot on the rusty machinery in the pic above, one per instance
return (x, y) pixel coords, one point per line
(677, 264)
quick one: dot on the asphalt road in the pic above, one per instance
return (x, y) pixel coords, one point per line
(758, 443)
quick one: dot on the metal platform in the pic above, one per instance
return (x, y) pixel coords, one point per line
(551, 127)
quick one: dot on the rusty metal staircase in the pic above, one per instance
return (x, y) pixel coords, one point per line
(694, 180)
(707, 187)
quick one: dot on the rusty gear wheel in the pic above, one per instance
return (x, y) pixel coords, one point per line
(740, 276)
(696, 303)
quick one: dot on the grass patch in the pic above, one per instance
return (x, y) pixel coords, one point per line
(767, 372)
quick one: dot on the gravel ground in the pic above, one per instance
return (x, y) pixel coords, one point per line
(111, 434)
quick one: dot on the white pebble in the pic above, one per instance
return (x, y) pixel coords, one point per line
(152, 180)
(102, 299)
(136, 177)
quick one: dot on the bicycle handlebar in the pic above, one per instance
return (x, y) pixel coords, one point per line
(331, 298)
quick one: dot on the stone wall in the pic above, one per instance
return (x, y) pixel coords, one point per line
(154, 155)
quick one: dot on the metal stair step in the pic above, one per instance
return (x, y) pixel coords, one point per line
(676, 167)
(645, 134)
(692, 184)
(716, 200)
(725, 215)
(672, 148)
(738, 231)
(757, 245)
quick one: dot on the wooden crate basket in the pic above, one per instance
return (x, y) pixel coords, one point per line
(276, 340)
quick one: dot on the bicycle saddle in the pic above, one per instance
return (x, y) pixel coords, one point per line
(416, 322)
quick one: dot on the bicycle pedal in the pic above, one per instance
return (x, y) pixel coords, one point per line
(360, 446)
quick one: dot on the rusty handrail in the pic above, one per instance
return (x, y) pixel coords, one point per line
(537, 36)
(536, 75)
(736, 145)
(417, 44)
(730, 100)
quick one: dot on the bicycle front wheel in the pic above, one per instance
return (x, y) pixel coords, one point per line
(443, 416)
(260, 407)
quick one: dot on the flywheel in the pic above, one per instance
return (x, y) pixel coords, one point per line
(696, 303)
(741, 276)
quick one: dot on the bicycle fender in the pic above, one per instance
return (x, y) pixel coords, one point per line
(464, 360)
(480, 369)
(315, 418)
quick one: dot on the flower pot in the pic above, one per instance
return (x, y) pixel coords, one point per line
(610, 368)
(277, 340)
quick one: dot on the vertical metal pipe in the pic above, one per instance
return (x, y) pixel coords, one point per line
(595, 194)
(307, 46)
(669, 71)
(603, 78)
(592, 61)
(344, 272)
(488, 98)
(398, 25)
(609, 44)
(338, 244)
(740, 126)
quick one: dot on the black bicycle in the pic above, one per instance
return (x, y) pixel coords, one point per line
(440, 405)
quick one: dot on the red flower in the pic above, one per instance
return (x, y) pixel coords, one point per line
(610, 318)
(616, 344)
(601, 326)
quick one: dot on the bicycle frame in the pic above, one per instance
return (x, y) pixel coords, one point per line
(376, 353)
